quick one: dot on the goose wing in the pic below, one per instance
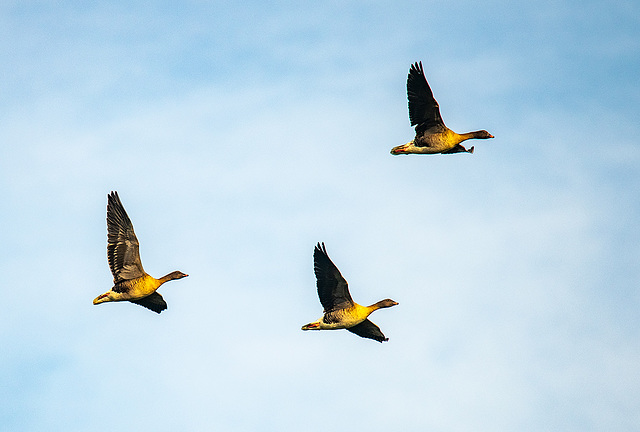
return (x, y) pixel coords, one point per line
(154, 301)
(424, 111)
(333, 289)
(122, 243)
(369, 330)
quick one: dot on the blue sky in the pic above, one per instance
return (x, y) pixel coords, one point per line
(239, 135)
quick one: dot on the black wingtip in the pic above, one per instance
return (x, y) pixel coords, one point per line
(114, 198)
(320, 247)
(115, 206)
(417, 68)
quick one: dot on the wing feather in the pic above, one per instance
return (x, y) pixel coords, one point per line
(424, 111)
(122, 244)
(333, 289)
(369, 330)
(154, 301)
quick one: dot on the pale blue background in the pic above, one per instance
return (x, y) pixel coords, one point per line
(240, 134)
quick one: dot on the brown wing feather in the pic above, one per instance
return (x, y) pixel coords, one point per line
(154, 301)
(424, 111)
(122, 244)
(369, 330)
(333, 289)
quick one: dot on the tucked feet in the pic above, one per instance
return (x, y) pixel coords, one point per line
(311, 326)
(401, 149)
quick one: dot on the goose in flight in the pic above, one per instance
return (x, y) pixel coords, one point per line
(432, 136)
(340, 311)
(130, 281)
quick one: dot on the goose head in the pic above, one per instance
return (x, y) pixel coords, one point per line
(175, 275)
(178, 275)
(386, 303)
(482, 134)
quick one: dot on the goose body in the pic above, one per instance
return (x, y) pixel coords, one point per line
(432, 136)
(340, 311)
(130, 281)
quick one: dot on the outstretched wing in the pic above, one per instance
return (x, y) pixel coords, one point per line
(122, 244)
(154, 301)
(424, 111)
(332, 287)
(369, 330)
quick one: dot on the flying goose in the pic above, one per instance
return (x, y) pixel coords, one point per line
(432, 136)
(340, 311)
(130, 281)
